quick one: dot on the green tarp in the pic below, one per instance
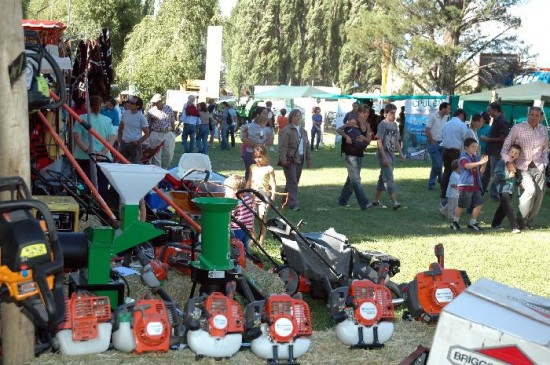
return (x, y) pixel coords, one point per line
(525, 93)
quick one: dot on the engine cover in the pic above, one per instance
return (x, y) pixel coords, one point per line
(431, 291)
(152, 327)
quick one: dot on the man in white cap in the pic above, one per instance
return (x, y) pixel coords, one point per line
(161, 123)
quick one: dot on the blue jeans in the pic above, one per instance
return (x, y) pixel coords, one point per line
(240, 234)
(231, 133)
(385, 179)
(436, 154)
(202, 138)
(248, 159)
(315, 132)
(224, 135)
(353, 182)
(188, 132)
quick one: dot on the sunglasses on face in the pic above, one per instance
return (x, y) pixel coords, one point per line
(131, 102)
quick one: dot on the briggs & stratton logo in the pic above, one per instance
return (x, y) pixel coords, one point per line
(509, 355)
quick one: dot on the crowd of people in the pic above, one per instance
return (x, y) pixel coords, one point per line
(489, 156)
(496, 158)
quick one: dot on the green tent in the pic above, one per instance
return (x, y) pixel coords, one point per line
(514, 100)
(524, 93)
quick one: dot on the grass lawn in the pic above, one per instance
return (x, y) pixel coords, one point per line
(410, 234)
(518, 260)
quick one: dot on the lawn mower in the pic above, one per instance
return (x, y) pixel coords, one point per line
(279, 328)
(31, 268)
(432, 290)
(325, 261)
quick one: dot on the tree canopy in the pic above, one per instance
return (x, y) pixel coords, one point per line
(435, 44)
(165, 50)
(87, 18)
(431, 44)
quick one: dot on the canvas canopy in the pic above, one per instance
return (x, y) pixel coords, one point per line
(290, 92)
(524, 93)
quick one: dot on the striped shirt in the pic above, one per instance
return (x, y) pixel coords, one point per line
(533, 143)
(243, 214)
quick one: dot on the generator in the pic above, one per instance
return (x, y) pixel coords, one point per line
(432, 290)
(65, 211)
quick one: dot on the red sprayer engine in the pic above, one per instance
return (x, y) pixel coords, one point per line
(215, 325)
(432, 290)
(279, 328)
(87, 327)
(364, 312)
(145, 326)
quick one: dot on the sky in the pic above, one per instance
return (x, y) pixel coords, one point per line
(535, 26)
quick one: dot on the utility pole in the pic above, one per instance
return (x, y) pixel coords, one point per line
(17, 328)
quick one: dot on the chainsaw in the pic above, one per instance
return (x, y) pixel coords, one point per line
(364, 312)
(432, 290)
(31, 267)
(279, 328)
(215, 325)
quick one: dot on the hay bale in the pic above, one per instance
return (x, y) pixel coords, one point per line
(267, 282)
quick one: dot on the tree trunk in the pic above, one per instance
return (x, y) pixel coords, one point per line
(18, 341)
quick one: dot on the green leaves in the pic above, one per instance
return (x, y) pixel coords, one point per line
(163, 52)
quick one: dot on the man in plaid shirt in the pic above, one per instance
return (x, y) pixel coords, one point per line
(161, 122)
(532, 137)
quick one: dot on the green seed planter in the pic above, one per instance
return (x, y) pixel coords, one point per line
(215, 217)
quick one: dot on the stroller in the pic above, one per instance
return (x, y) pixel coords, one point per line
(326, 260)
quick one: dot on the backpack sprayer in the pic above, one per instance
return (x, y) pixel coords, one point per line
(364, 312)
(279, 328)
(215, 325)
(432, 290)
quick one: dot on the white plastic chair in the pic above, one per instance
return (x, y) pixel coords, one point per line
(194, 161)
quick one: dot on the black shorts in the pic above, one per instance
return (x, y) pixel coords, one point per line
(470, 199)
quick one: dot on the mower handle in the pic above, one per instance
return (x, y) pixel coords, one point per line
(267, 200)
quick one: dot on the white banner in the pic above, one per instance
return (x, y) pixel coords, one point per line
(213, 62)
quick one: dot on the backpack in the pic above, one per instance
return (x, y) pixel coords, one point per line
(356, 147)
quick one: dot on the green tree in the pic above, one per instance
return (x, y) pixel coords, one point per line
(164, 51)
(435, 44)
(87, 18)
(302, 42)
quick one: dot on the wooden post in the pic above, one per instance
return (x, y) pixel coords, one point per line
(17, 328)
